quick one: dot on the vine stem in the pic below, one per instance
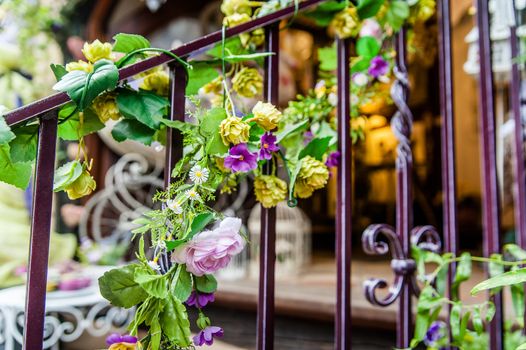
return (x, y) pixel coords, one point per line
(129, 55)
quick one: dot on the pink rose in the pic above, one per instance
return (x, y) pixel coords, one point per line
(371, 28)
(210, 251)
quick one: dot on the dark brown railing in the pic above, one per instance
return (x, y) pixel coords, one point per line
(399, 238)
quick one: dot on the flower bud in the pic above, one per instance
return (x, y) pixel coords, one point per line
(202, 321)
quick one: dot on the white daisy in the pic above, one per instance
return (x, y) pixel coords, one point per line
(154, 265)
(193, 195)
(199, 175)
(174, 206)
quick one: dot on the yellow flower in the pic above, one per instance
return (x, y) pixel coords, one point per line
(234, 130)
(123, 346)
(230, 7)
(266, 115)
(346, 23)
(79, 65)
(257, 37)
(424, 10)
(82, 186)
(106, 107)
(97, 51)
(214, 87)
(158, 82)
(236, 19)
(247, 82)
(313, 175)
(270, 190)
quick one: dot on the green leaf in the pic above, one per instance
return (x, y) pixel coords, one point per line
(128, 129)
(198, 76)
(83, 87)
(478, 325)
(521, 347)
(119, 287)
(326, 130)
(324, 13)
(232, 45)
(327, 57)
(182, 286)
(428, 299)
(505, 279)
(454, 321)
(24, 146)
(143, 106)
(516, 251)
(66, 175)
(129, 42)
(361, 65)
(58, 70)
(316, 148)
(517, 300)
(171, 245)
(71, 129)
(216, 146)
(199, 223)
(490, 311)
(16, 174)
(397, 13)
(247, 57)
(369, 8)
(206, 283)
(6, 135)
(155, 333)
(210, 123)
(463, 272)
(176, 325)
(290, 129)
(421, 327)
(155, 285)
(367, 47)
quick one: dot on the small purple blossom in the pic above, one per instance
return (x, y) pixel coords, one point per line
(206, 336)
(268, 145)
(200, 300)
(74, 283)
(116, 338)
(241, 159)
(307, 137)
(333, 160)
(435, 332)
(379, 66)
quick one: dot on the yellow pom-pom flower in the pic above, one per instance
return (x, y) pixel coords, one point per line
(106, 107)
(313, 175)
(248, 82)
(230, 7)
(158, 82)
(266, 115)
(79, 65)
(270, 190)
(97, 51)
(82, 186)
(234, 130)
(346, 23)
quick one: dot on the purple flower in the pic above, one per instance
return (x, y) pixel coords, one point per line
(210, 251)
(116, 338)
(333, 159)
(371, 28)
(206, 336)
(378, 67)
(241, 159)
(435, 332)
(74, 283)
(200, 300)
(268, 145)
(307, 137)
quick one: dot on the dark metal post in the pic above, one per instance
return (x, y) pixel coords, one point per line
(342, 320)
(490, 191)
(267, 251)
(402, 124)
(174, 140)
(448, 137)
(40, 233)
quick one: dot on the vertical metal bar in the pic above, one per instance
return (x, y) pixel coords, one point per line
(40, 233)
(342, 320)
(174, 139)
(490, 203)
(402, 124)
(267, 252)
(519, 193)
(448, 137)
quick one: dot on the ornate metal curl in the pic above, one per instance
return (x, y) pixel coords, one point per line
(402, 121)
(426, 238)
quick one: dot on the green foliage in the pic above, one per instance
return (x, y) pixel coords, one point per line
(119, 287)
(199, 223)
(66, 175)
(128, 129)
(200, 75)
(127, 43)
(23, 148)
(6, 135)
(367, 47)
(74, 124)
(316, 148)
(84, 87)
(174, 319)
(58, 70)
(324, 13)
(143, 106)
(516, 277)
(397, 13)
(154, 284)
(13, 173)
(206, 283)
(369, 8)
(328, 58)
(181, 286)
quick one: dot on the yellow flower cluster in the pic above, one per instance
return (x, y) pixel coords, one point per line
(80, 65)
(158, 82)
(97, 51)
(346, 23)
(234, 130)
(312, 176)
(230, 7)
(82, 186)
(214, 87)
(270, 190)
(248, 82)
(266, 115)
(106, 107)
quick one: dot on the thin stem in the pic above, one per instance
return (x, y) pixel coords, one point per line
(126, 58)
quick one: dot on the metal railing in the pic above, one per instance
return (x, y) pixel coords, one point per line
(400, 238)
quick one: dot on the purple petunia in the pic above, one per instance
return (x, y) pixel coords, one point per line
(117, 338)
(333, 159)
(379, 66)
(206, 336)
(241, 159)
(435, 332)
(200, 300)
(268, 145)
(307, 137)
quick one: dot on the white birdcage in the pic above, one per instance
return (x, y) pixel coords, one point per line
(293, 240)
